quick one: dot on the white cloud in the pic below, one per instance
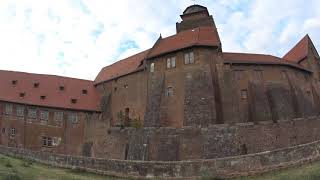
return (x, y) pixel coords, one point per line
(77, 38)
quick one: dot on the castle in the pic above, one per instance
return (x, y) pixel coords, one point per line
(184, 98)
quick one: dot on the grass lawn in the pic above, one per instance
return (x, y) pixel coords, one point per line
(16, 169)
(305, 172)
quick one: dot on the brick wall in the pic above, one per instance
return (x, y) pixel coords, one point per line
(222, 167)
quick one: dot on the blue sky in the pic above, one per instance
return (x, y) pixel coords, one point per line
(77, 38)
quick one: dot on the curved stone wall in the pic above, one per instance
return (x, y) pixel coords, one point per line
(220, 167)
(218, 141)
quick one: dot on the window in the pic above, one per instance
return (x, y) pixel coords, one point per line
(152, 67)
(115, 89)
(22, 94)
(3, 130)
(20, 111)
(84, 91)
(169, 92)
(189, 58)
(14, 82)
(42, 97)
(126, 86)
(73, 118)
(258, 74)
(13, 131)
(8, 109)
(171, 62)
(32, 113)
(73, 101)
(283, 74)
(61, 88)
(36, 85)
(46, 141)
(244, 94)
(238, 74)
(44, 115)
(58, 116)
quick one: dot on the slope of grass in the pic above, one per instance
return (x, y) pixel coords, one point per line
(15, 169)
(305, 172)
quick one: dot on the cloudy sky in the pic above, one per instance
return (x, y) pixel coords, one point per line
(77, 38)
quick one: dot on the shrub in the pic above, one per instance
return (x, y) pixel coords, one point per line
(8, 164)
(12, 177)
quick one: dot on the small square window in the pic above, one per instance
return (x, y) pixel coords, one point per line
(14, 82)
(22, 94)
(42, 97)
(61, 88)
(36, 85)
(244, 94)
(84, 91)
(73, 101)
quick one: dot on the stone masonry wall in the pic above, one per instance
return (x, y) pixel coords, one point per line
(222, 167)
(217, 141)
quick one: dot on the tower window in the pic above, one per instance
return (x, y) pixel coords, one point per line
(152, 67)
(189, 58)
(244, 94)
(13, 131)
(169, 91)
(171, 62)
(36, 85)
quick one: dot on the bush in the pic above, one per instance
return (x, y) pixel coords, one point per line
(11, 177)
(26, 164)
(8, 164)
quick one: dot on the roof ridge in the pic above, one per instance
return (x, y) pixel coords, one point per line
(40, 74)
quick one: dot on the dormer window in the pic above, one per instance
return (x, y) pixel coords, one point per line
(22, 94)
(14, 82)
(42, 97)
(61, 88)
(73, 101)
(84, 91)
(36, 85)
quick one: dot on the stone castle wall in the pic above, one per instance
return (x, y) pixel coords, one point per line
(217, 141)
(194, 169)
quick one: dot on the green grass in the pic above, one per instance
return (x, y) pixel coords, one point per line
(305, 172)
(16, 169)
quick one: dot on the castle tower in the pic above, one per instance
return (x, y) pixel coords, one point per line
(195, 16)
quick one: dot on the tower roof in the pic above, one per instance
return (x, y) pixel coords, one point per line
(194, 9)
(299, 51)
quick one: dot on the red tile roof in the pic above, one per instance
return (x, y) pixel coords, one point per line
(49, 87)
(121, 68)
(299, 51)
(202, 36)
(259, 59)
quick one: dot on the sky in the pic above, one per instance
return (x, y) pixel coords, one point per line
(76, 38)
